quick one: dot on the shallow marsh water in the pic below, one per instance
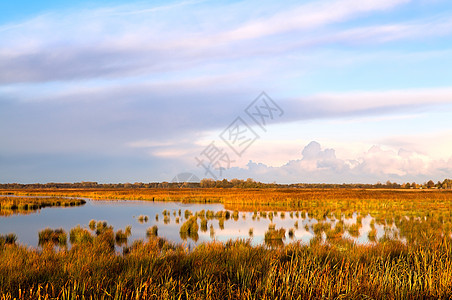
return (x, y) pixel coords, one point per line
(121, 213)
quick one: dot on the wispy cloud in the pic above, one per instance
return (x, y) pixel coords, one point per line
(116, 42)
(310, 16)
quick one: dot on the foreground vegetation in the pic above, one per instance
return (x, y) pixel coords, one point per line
(157, 269)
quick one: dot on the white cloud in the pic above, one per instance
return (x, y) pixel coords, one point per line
(376, 164)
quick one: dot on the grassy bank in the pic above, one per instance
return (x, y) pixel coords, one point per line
(24, 205)
(250, 199)
(387, 206)
(157, 269)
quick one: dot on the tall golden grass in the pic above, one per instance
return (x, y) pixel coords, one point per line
(157, 269)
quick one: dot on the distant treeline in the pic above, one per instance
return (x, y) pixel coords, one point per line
(233, 183)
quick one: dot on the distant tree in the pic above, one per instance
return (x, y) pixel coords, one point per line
(430, 184)
(235, 182)
(447, 184)
(163, 184)
(250, 183)
(223, 183)
(207, 183)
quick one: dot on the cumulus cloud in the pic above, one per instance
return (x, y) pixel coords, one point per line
(318, 165)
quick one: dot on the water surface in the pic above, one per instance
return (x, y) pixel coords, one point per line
(121, 213)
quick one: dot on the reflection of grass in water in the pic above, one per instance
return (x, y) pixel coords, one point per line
(143, 218)
(221, 223)
(152, 231)
(187, 214)
(201, 214)
(274, 237)
(166, 219)
(270, 216)
(251, 232)
(210, 215)
(92, 224)
(212, 231)
(203, 225)
(190, 229)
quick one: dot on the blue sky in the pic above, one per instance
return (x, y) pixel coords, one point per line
(114, 91)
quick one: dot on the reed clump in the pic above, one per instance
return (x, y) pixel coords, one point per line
(274, 237)
(55, 237)
(121, 236)
(190, 229)
(9, 239)
(152, 231)
(26, 205)
(143, 218)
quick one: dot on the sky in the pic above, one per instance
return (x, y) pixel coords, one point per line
(333, 91)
